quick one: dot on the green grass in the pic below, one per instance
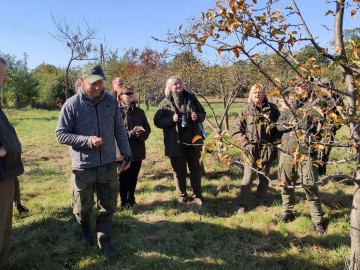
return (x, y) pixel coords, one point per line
(159, 233)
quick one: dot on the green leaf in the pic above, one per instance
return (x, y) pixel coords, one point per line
(276, 32)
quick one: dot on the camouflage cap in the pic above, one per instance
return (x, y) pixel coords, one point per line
(93, 73)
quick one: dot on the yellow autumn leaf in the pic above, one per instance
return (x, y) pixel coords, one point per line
(319, 146)
(196, 138)
(226, 159)
(273, 92)
(295, 155)
(225, 148)
(280, 183)
(246, 159)
(208, 148)
(194, 36)
(278, 80)
(259, 163)
(301, 158)
(332, 115)
(226, 133)
(301, 135)
(269, 128)
(231, 23)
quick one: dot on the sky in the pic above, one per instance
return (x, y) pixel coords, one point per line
(123, 24)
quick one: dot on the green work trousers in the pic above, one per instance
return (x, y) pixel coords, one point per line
(249, 176)
(305, 174)
(104, 181)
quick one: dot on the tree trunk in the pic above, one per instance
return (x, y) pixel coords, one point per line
(354, 130)
(355, 231)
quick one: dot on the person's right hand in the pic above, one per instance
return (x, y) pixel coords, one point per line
(96, 141)
(126, 165)
(2, 151)
(175, 117)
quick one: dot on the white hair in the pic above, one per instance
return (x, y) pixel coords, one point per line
(253, 88)
(170, 82)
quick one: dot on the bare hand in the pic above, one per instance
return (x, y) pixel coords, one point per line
(96, 141)
(126, 165)
(138, 130)
(194, 116)
(175, 117)
(2, 151)
(119, 169)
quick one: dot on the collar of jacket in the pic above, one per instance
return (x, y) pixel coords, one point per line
(88, 99)
(188, 97)
(127, 109)
(264, 105)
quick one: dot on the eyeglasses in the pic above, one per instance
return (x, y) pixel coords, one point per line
(128, 93)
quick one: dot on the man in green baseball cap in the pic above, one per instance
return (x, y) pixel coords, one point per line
(91, 123)
(92, 78)
(93, 73)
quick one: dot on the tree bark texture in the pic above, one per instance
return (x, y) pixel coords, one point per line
(355, 232)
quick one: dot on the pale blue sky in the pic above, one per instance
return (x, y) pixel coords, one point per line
(124, 23)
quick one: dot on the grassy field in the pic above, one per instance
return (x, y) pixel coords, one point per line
(159, 233)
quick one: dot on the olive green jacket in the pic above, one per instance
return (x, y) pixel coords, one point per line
(302, 136)
(255, 133)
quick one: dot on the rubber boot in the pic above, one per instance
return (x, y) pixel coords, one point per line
(86, 237)
(21, 208)
(103, 228)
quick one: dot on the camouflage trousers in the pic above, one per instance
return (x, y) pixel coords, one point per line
(306, 174)
(85, 182)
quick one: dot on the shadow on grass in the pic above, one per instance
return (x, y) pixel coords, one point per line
(201, 245)
(53, 242)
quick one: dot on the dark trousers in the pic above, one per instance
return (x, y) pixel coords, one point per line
(6, 201)
(128, 181)
(17, 199)
(191, 157)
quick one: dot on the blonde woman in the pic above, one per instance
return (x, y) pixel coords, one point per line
(178, 115)
(253, 133)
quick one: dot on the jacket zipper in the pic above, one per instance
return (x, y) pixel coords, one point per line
(98, 128)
